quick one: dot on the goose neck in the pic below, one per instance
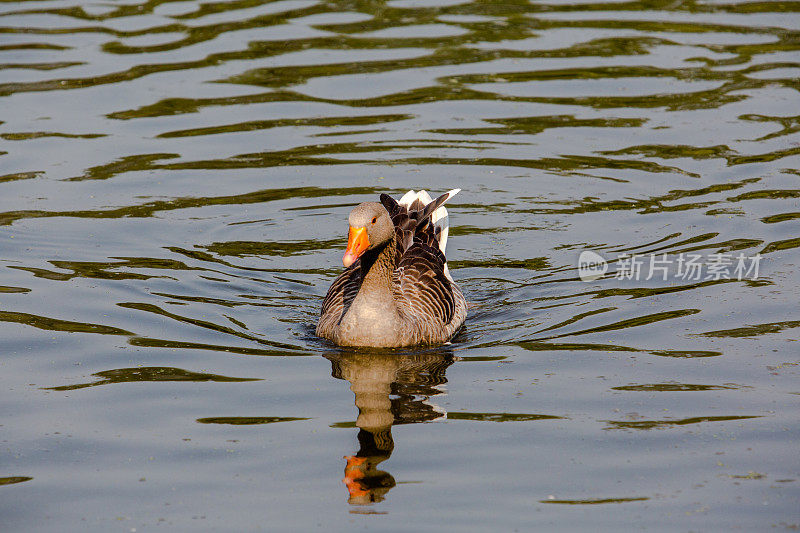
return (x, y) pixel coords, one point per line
(377, 266)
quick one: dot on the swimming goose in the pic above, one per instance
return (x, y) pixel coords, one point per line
(396, 289)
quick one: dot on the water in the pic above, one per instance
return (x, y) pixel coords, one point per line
(176, 178)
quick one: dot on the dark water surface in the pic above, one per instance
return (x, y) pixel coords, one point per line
(175, 179)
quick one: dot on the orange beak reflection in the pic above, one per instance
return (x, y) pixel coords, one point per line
(357, 244)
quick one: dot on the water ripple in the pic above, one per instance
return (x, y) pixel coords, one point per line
(176, 179)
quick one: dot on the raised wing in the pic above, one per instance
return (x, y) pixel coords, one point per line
(413, 220)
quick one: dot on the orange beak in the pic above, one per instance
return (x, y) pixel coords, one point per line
(357, 244)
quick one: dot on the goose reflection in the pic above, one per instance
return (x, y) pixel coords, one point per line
(389, 389)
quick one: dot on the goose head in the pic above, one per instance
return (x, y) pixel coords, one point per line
(370, 227)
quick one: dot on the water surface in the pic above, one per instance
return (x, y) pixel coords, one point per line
(175, 179)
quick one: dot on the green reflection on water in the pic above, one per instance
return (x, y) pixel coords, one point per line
(271, 249)
(673, 387)
(19, 175)
(13, 290)
(154, 373)
(280, 351)
(754, 330)
(499, 417)
(13, 479)
(55, 324)
(595, 501)
(248, 420)
(661, 424)
(326, 122)
(633, 322)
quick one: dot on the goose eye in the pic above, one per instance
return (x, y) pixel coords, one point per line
(374, 219)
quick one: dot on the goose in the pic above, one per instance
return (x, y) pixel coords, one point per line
(396, 289)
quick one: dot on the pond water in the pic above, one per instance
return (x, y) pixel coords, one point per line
(175, 179)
